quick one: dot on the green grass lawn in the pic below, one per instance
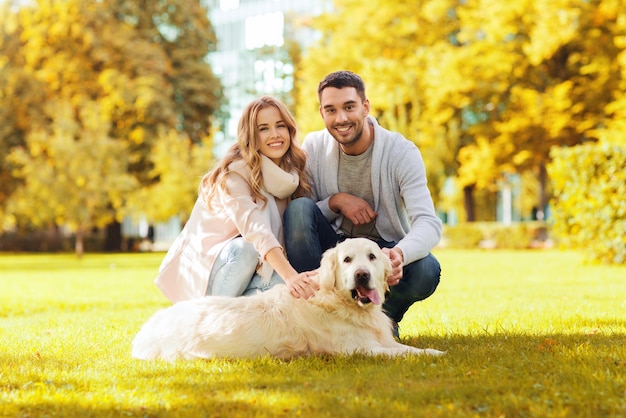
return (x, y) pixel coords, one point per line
(527, 334)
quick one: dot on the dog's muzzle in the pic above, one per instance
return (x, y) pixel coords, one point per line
(363, 293)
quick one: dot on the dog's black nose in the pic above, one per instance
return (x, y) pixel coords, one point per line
(362, 277)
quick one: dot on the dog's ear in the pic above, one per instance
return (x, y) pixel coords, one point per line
(328, 269)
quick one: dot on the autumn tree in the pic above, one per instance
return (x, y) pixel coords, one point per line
(589, 181)
(553, 72)
(485, 88)
(142, 65)
(81, 177)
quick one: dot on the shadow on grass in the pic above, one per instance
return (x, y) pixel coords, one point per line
(510, 374)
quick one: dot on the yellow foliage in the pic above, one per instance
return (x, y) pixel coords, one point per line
(136, 135)
(587, 179)
(179, 164)
(484, 87)
(94, 55)
(77, 179)
(478, 165)
(556, 25)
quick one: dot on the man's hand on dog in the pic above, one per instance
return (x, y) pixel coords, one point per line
(397, 263)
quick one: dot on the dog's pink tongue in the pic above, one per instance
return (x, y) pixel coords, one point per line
(372, 295)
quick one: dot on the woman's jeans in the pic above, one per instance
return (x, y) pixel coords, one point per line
(234, 271)
(308, 234)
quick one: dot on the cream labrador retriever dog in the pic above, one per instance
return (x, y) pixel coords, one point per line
(345, 316)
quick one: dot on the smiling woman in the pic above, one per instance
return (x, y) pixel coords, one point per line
(274, 134)
(232, 243)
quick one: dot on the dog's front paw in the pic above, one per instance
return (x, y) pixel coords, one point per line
(433, 352)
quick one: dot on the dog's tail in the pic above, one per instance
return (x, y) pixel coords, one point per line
(148, 343)
(143, 346)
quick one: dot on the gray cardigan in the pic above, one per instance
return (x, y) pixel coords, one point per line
(406, 213)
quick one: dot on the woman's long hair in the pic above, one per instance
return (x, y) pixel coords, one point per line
(247, 149)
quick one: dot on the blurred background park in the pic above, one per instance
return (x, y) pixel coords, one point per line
(112, 110)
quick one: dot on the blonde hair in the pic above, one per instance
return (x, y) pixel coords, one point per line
(247, 149)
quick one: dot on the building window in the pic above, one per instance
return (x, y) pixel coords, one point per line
(229, 4)
(264, 30)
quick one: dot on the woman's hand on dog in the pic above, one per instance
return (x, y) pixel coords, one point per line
(303, 285)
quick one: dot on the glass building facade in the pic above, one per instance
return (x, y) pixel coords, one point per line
(252, 58)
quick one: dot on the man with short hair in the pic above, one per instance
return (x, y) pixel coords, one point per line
(367, 182)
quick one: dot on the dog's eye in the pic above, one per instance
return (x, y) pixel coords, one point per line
(372, 257)
(348, 259)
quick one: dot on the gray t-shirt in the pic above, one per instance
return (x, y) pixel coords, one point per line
(354, 177)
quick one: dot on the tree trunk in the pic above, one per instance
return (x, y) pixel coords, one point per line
(79, 243)
(468, 202)
(543, 198)
(113, 237)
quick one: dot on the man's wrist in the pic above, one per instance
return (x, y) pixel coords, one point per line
(332, 203)
(400, 253)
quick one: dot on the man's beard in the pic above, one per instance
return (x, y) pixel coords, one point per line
(352, 141)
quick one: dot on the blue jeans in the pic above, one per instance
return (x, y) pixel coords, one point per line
(308, 234)
(234, 271)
